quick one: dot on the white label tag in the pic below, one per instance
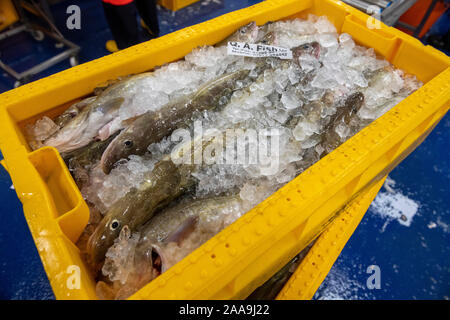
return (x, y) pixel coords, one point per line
(257, 50)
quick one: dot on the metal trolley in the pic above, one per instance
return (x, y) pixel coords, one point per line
(390, 10)
(41, 11)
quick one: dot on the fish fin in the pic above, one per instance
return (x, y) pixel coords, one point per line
(182, 231)
(129, 121)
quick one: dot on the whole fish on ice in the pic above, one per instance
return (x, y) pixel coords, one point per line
(170, 178)
(154, 125)
(84, 127)
(166, 239)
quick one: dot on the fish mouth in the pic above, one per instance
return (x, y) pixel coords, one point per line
(159, 260)
(94, 248)
(107, 161)
(316, 50)
(90, 247)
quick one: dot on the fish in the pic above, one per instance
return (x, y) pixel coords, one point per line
(152, 126)
(266, 27)
(270, 289)
(265, 35)
(162, 185)
(309, 48)
(81, 160)
(83, 128)
(327, 139)
(88, 155)
(125, 271)
(330, 139)
(164, 240)
(170, 178)
(105, 85)
(247, 33)
(186, 226)
(73, 111)
(267, 38)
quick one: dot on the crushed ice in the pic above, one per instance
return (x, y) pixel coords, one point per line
(310, 93)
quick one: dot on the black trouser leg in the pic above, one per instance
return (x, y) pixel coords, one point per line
(147, 11)
(123, 24)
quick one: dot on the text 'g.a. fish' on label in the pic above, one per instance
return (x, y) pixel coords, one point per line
(257, 50)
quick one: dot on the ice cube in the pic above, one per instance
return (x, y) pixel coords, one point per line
(323, 25)
(290, 99)
(42, 129)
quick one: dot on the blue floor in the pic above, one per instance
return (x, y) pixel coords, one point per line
(414, 260)
(94, 33)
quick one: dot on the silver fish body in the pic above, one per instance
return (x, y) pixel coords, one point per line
(73, 111)
(330, 139)
(247, 33)
(84, 127)
(163, 184)
(168, 237)
(154, 125)
(170, 178)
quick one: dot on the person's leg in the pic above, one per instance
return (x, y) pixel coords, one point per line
(114, 23)
(147, 11)
(122, 23)
(127, 14)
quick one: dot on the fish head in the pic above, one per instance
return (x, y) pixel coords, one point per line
(356, 101)
(124, 145)
(311, 48)
(353, 103)
(103, 237)
(67, 138)
(247, 33)
(65, 117)
(82, 129)
(122, 213)
(268, 39)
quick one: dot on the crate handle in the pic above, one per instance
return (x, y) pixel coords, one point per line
(67, 205)
(382, 39)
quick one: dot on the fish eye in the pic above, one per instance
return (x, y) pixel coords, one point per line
(242, 31)
(114, 224)
(128, 143)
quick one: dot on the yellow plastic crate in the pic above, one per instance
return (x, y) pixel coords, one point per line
(313, 269)
(175, 5)
(8, 14)
(244, 255)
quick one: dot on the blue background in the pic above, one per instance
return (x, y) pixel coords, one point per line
(414, 261)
